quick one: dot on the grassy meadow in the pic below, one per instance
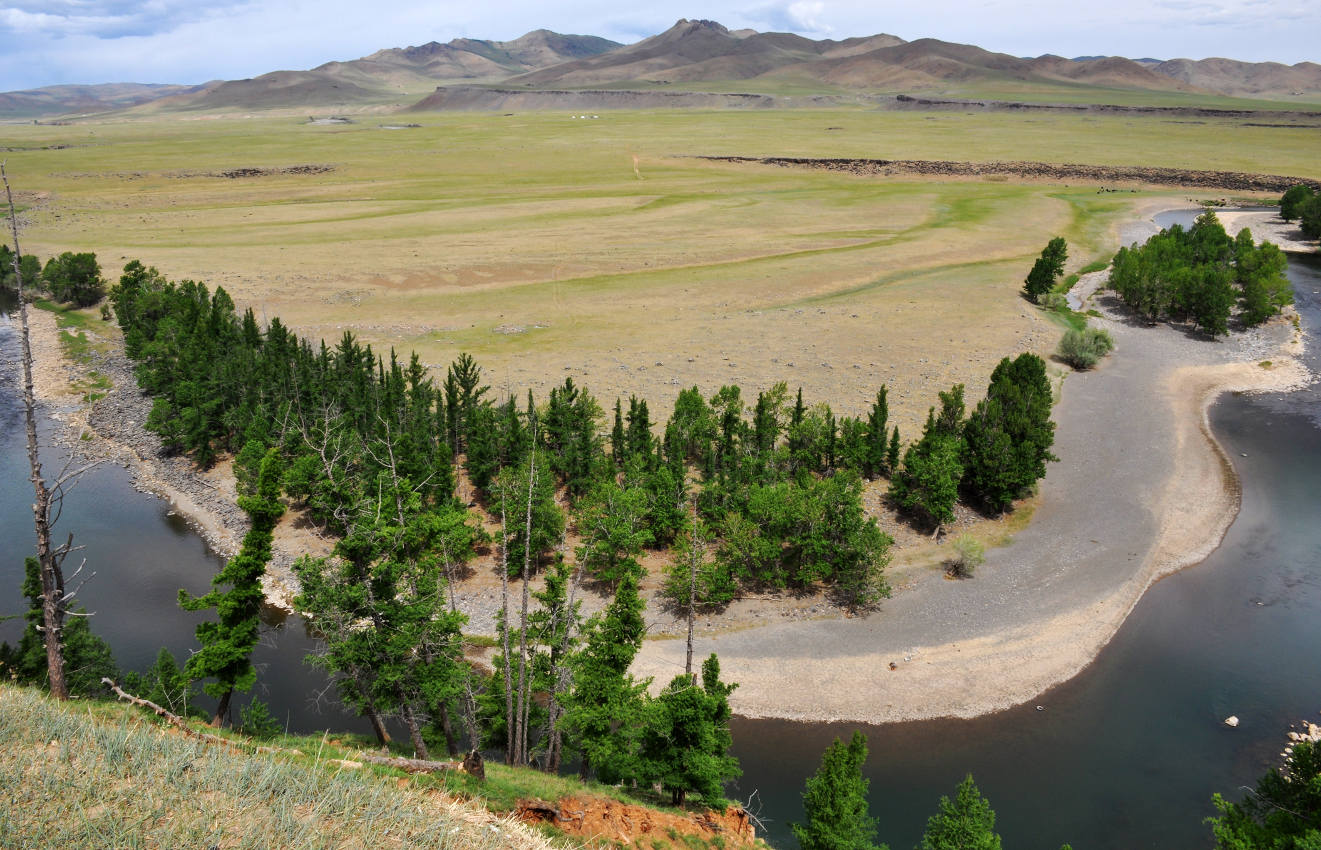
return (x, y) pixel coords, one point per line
(534, 242)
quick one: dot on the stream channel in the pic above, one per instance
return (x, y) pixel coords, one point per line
(1125, 755)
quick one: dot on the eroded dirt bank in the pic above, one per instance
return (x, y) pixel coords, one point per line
(1234, 181)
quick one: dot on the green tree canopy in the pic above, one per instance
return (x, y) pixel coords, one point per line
(74, 278)
(603, 711)
(685, 742)
(1047, 269)
(835, 813)
(1007, 438)
(227, 642)
(965, 823)
(1284, 813)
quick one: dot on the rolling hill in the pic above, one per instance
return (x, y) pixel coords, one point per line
(390, 74)
(692, 56)
(65, 100)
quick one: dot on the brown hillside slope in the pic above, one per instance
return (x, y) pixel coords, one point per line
(388, 73)
(697, 51)
(1256, 79)
(63, 100)
(929, 62)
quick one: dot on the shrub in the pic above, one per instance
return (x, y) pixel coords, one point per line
(256, 721)
(1054, 301)
(74, 278)
(969, 554)
(1084, 349)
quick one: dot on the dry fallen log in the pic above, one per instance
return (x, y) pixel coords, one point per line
(174, 719)
(471, 764)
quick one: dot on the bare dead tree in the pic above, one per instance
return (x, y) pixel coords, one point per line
(524, 703)
(469, 699)
(693, 544)
(48, 502)
(561, 673)
(504, 634)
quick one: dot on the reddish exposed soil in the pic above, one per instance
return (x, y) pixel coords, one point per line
(600, 817)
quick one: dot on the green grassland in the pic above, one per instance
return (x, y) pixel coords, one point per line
(531, 241)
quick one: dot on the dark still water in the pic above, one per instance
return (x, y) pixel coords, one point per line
(142, 555)
(1126, 755)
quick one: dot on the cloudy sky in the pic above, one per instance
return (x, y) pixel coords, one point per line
(46, 42)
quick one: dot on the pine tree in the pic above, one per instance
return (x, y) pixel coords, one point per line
(618, 442)
(928, 483)
(965, 823)
(685, 742)
(1047, 269)
(835, 801)
(603, 709)
(227, 643)
(1008, 437)
(877, 458)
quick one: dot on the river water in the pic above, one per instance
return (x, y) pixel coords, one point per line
(1126, 755)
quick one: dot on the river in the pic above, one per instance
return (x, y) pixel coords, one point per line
(1125, 755)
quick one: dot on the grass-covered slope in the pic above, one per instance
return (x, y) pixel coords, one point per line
(99, 775)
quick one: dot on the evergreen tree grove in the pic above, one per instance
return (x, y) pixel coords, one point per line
(1007, 438)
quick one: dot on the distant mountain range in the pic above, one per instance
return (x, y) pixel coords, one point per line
(691, 55)
(62, 100)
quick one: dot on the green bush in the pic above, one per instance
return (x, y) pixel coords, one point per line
(74, 278)
(969, 554)
(1084, 349)
(256, 721)
(1054, 301)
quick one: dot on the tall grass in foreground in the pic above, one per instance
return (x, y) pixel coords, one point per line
(69, 779)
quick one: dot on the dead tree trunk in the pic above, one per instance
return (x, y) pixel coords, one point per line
(504, 635)
(561, 680)
(447, 729)
(54, 600)
(469, 701)
(414, 728)
(222, 709)
(520, 734)
(378, 726)
(692, 590)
